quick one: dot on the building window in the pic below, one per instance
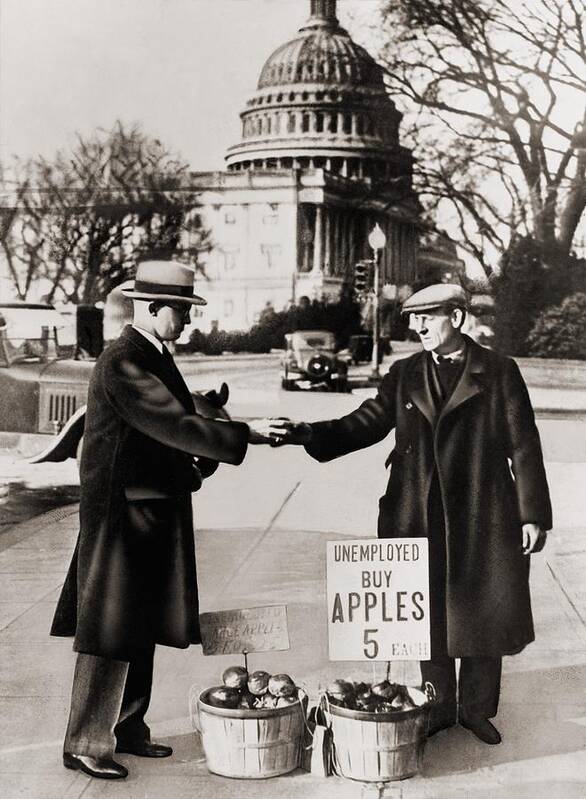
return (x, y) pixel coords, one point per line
(228, 259)
(360, 124)
(271, 253)
(347, 123)
(228, 308)
(291, 125)
(305, 123)
(334, 123)
(319, 122)
(229, 218)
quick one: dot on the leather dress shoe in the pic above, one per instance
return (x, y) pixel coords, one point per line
(482, 729)
(104, 768)
(144, 749)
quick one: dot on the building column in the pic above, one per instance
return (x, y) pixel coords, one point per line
(345, 168)
(344, 241)
(328, 241)
(334, 256)
(318, 240)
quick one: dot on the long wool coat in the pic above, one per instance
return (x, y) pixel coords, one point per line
(485, 447)
(132, 580)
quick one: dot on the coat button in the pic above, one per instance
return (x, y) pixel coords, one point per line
(408, 449)
(409, 405)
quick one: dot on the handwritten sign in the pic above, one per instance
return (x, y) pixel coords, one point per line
(378, 599)
(230, 632)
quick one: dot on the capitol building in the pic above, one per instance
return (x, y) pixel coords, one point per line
(318, 164)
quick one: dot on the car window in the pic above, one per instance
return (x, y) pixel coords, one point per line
(29, 331)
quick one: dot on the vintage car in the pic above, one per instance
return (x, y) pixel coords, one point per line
(39, 390)
(310, 362)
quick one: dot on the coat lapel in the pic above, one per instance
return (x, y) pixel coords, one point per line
(420, 390)
(168, 373)
(471, 381)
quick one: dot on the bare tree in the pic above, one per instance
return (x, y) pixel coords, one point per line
(82, 219)
(497, 92)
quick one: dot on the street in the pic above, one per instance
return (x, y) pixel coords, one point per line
(26, 491)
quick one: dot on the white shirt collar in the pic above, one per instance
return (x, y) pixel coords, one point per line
(457, 355)
(149, 337)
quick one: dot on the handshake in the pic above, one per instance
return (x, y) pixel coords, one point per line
(277, 431)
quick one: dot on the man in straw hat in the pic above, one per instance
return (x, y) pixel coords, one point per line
(467, 473)
(132, 580)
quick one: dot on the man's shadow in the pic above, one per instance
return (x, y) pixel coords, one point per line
(542, 713)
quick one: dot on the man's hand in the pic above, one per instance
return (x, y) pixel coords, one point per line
(287, 432)
(534, 538)
(266, 431)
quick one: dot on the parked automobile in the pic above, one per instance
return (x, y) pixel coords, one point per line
(310, 362)
(40, 390)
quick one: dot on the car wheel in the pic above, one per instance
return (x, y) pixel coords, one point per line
(286, 385)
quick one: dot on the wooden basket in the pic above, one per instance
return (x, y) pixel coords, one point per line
(251, 744)
(378, 747)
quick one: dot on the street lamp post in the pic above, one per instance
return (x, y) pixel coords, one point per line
(377, 241)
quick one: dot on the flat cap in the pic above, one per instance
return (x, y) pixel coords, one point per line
(440, 295)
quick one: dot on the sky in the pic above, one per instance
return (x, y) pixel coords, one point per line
(183, 69)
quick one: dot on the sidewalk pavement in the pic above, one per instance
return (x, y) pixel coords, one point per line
(266, 545)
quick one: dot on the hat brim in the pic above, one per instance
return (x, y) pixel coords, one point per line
(450, 305)
(141, 295)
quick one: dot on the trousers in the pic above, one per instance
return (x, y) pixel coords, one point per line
(109, 700)
(477, 691)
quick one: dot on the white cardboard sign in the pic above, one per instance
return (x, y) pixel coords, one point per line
(378, 599)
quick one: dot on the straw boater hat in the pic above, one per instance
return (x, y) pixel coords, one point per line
(440, 295)
(164, 280)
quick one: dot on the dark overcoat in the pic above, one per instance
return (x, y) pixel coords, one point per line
(132, 579)
(483, 449)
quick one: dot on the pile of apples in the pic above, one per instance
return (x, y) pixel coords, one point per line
(252, 691)
(380, 697)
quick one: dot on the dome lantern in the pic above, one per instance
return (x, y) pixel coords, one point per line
(323, 14)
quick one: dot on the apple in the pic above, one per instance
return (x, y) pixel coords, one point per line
(386, 690)
(235, 677)
(223, 696)
(258, 683)
(247, 700)
(282, 685)
(284, 701)
(340, 689)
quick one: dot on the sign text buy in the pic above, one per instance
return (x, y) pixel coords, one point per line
(378, 599)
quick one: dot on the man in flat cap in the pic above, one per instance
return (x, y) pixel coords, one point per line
(132, 581)
(467, 473)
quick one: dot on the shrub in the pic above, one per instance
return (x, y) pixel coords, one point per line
(560, 331)
(342, 318)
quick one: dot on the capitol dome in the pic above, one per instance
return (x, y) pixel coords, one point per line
(321, 102)
(324, 52)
